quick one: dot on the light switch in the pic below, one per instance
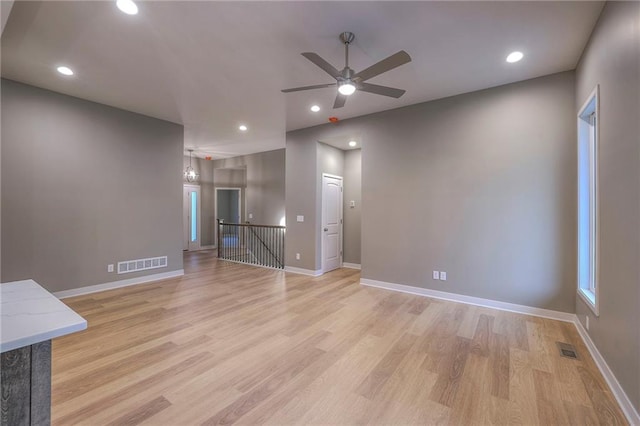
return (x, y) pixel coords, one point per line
(250, 215)
(352, 204)
(300, 218)
(436, 275)
(443, 275)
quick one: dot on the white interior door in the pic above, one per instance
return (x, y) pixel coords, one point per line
(191, 217)
(331, 222)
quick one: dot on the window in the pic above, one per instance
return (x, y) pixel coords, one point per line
(588, 201)
(194, 216)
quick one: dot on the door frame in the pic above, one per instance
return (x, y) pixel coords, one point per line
(322, 218)
(215, 203)
(198, 243)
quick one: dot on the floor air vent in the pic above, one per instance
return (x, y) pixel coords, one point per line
(142, 264)
(567, 350)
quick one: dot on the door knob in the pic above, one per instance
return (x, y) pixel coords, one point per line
(326, 229)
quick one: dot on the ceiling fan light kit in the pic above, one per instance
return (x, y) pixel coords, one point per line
(348, 81)
(346, 88)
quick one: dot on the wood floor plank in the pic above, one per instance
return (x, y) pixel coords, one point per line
(386, 367)
(234, 344)
(144, 411)
(446, 387)
(482, 335)
(500, 366)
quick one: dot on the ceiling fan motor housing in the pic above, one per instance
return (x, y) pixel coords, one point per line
(347, 37)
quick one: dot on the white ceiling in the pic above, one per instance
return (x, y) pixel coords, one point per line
(214, 65)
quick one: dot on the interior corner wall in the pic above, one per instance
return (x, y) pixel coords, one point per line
(85, 185)
(612, 61)
(352, 215)
(330, 160)
(481, 185)
(204, 168)
(5, 11)
(300, 198)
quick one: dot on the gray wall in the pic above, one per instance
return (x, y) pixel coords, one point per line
(265, 182)
(352, 191)
(5, 10)
(612, 60)
(231, 178)
(207, 222)
(85, 185)
(480, 185)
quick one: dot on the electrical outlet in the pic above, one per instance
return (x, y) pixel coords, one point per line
(443, 276)
(110, 267)
(250, 215)
(297, 256)
(436, 275)
(587, 322)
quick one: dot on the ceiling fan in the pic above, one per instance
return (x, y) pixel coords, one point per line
(348, 81)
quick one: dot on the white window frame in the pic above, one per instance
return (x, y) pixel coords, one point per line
(588, 139)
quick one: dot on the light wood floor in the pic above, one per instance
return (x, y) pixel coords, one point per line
(228, 343)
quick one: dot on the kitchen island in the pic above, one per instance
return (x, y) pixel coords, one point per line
(30, 317)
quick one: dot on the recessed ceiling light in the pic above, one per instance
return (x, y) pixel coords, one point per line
(315, 108)
(353, 143)
(243, 128)
(127, 6)
(65, 70)
(514, 57)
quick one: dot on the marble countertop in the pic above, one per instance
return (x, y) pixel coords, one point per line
(30, 314)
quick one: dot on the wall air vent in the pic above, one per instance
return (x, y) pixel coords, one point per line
(142, 264)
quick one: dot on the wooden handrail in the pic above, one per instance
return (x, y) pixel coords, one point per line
(251, 224)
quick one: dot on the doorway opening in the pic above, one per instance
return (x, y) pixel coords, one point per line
(229, 210)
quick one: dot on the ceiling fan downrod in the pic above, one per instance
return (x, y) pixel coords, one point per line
(347, 38)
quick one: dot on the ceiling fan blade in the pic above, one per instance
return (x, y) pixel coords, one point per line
(317, 86)
(326, 66)
(380, 90)
(340, 100)
(384, 65)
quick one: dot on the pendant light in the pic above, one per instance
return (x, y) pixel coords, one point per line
(190, 174)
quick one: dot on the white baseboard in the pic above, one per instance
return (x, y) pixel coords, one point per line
(301, 271)
(350, 265)
(118, 284)
(470, 300)
(625, 403)
(627, 407)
